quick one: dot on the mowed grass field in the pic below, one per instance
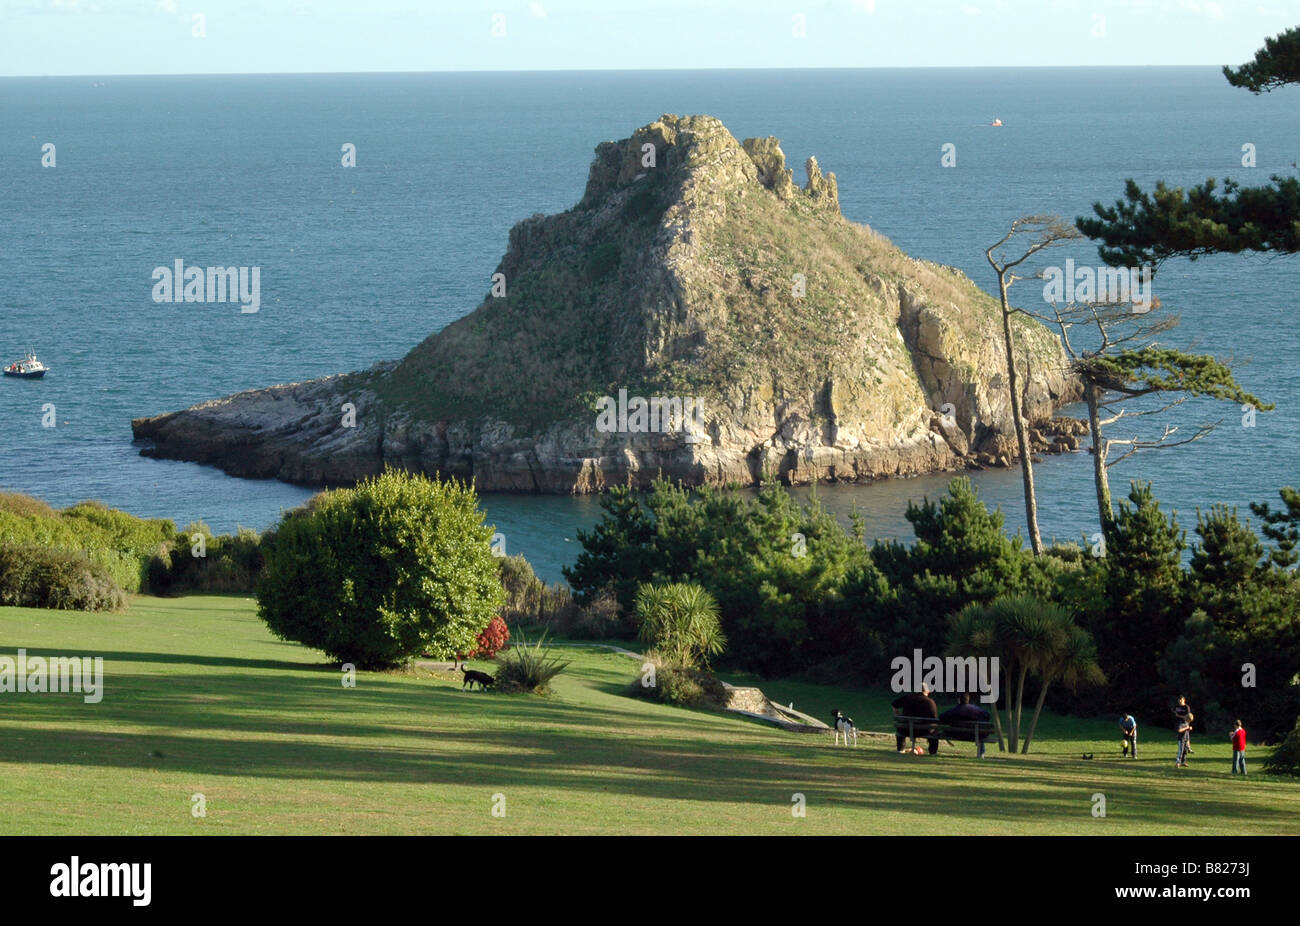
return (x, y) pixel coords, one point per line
(201, 699)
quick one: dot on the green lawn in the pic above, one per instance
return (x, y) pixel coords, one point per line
(200, 698)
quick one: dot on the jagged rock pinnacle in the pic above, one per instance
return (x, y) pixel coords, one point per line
(823, 189)
(769, 160)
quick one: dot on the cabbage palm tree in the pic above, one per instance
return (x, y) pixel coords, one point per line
(971, 632)
(1073, 664)
(1031, 632)
(1029, 637)
(681, 620)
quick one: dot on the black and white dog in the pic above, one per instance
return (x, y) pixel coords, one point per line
(844, 725)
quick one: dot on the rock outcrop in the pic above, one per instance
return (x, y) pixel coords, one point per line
(693, 269)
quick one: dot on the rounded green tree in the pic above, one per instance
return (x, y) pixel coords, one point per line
(375, 574)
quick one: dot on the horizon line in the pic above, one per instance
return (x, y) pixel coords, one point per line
(913, 67)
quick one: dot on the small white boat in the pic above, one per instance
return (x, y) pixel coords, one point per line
(996, 123)
(27, 368)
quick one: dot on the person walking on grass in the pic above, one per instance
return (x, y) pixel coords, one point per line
(1128, 728)
(1238, 737)
(1184, 739)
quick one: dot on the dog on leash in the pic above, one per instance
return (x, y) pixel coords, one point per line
(471, 676)
(845, 726)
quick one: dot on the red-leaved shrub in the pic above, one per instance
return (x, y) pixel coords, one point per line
(490, 639)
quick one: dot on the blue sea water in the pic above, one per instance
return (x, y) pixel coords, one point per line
(359, 264)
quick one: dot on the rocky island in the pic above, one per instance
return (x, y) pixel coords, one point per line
(695, 270)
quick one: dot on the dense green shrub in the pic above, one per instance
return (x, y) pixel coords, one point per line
(1285, 759)
(373, 575)
(774, 567)
(530, 602)
(42, 577)
(120, 544)
(674, 682)
(229, 562)
(137, 554)
(602, 260)
(24, 506)
(601, 618)
(121, 531)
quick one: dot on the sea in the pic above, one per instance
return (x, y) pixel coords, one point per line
(359, 264)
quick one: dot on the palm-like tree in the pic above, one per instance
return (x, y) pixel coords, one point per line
(971, 632)
(1033, 632)
(681, 620)
(1029, 637)
(1073, 664)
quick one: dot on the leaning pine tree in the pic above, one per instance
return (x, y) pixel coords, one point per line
(399, 565)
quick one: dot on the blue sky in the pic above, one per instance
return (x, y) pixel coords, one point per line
(94, 37)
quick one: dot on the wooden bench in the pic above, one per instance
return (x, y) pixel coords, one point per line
(928, 728)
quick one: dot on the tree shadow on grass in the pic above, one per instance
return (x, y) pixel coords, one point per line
(316, 704)
(671, 770)
(237, 662)
(423, 731)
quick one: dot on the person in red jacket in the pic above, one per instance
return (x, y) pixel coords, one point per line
(1239, 749)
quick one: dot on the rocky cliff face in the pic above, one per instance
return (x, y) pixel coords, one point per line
(693, 269)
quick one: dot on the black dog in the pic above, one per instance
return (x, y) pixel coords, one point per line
(471, 676)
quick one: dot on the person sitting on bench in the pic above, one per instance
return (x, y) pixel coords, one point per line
(917, 704)
(967, 716)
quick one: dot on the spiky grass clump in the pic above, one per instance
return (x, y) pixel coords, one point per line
(527, 667)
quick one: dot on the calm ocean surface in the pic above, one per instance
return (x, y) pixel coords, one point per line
(359, 265)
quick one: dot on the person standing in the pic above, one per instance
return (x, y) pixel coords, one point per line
(1128, 728)
(1239, 749)
(1184, 739)
(1183, 712)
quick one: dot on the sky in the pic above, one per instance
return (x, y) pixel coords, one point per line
(114, 37)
